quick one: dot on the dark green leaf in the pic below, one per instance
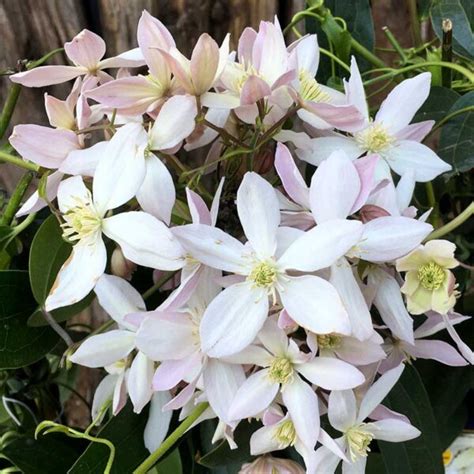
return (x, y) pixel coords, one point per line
(125, 431)
(20, 345)
(223, 456)
(48, 253)
(456, 144)
(53, 453)
(171, 464)
(437, 105)
(461, 15)
(423, 455)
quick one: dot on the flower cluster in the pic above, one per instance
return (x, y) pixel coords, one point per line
(291, 302)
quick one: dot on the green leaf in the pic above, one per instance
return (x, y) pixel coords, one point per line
(223, 456)
(171, 464)
(125, 431)
(20, 345)
(456, 144)
(461, 13)
(35, 456)
(47, 254)
(437, 105)
(422, 455)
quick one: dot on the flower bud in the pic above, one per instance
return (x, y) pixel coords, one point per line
(271, 465)
(120, 266)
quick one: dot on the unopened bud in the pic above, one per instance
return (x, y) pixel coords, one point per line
(370, 212)
(271, 465)
(120, 266)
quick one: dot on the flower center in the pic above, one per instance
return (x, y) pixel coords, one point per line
(286, 434)
(329, 341)
(281, 370)
(431, 276)
(264, 274)
(374, 138)
(81, 221)
(310, 89)
(358, 440)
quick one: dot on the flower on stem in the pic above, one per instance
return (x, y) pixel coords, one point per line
(429, 283)
(85, 51)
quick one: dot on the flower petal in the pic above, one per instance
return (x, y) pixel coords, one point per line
(145, 240)
(220, 335)
(342, 409)
(204, 63)
(139, 381)
(158, 421)
(315, 305)
(394, 431)
(259, 213)
(85, 49)
(104, 349)
(321, 246)
(47, 75)
(84, 162)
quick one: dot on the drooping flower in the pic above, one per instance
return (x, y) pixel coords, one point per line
(429, 283)
(310, 300)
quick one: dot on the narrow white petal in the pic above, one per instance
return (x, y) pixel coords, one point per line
(158, 421)
(394, 431)
(139, 381)
(342, 409)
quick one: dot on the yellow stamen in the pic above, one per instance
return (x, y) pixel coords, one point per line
(329, 341)
(358, 440)
(281, 370)
(375, 138)
(81, 221)
(286, 434)
(310, 89)
(431, 276)
(263, 274)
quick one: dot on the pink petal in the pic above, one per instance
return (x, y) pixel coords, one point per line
(85, 49)
(416, 131)
(246, 42)
(253, 90)
(170, 372)
(197, 208)
(343, 117)
(47, 75)
(438, 350)
(366, 168)
(204, 64)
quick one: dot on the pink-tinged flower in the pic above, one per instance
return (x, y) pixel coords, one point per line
(390, 134)
(310, 300)
(347, 416)
(283, 366)
(339, 188)
(144, 239)
(85, 51)
(429, 283)
(113, 349)
(139, 94)
(322, 107)
(198, 74)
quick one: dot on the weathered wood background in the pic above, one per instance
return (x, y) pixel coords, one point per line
(31, 28)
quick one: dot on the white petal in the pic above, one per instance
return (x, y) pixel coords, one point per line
(389, 302)
(69, 191)
(390, 237)
(84, 162)
(221, 382)
(334, 189)
(321, 246)
(315, 305)
(212, 246)
(145, 240)
(174, 122)
(157, 194)
(303, 407)
(394, 431)
(166, 337)
(118, 298)
(121, 170)
(331, 373)
(408, 155)
(253, 396)
(404, 100)
(158, 421)
(378, 391)
(355, 90)
(78, 275)
(139, 381)
(322, 147)
(264, 440)
(233, 319)
(343, 279)
(104, 349)
(342, 409)
(259, 213)
(103, 396)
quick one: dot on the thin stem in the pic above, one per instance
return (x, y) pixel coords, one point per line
(9, 108)
(162, 281)
(366, 54)
(447, 52)
(448, 117)
(15, 199)
(415, 23)
(24, 224)
(15, 160)
(57, 328)
(393, 41)
(455, 223)
(335, 59)
(155, 456)
(224, 133)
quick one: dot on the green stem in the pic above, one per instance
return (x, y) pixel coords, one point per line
(9, 108)
(415, 23)
(448, 117)
(15, 199)
(15, 160)
(366, 54)
(393, 41)
(164, 279)
(154, 457)
(24, 224)
(455, 223)
(465, 72)
(335, 59)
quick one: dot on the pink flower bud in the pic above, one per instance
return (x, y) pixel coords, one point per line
(271, 465)
(120, 266)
